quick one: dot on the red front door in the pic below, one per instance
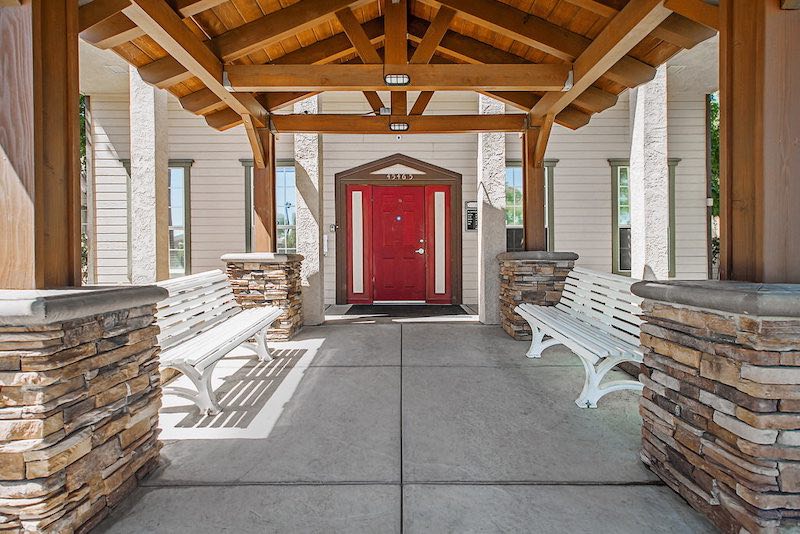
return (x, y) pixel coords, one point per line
(398, 243)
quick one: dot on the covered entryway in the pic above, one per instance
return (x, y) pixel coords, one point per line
(398, 224)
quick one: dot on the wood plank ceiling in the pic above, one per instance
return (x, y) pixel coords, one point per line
(309, 32)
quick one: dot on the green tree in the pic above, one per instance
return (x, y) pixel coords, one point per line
(713, 118)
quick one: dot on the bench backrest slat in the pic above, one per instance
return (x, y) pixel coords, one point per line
(605, 300)
(195, 304)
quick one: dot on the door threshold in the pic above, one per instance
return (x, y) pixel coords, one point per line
(396, 302)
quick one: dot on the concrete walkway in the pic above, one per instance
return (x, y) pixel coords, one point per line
(418, 427)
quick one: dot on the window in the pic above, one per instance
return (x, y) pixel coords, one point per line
(621, 216)
(515, 234)
(179, 216)
(179, 219)
(286, 209)
(285, 206)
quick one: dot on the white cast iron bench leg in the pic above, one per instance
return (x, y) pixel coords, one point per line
(203, 395)
(593, 390)
(538, 343)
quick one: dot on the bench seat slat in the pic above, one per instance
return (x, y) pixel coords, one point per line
(206, 347)
(601, 343)
(178, 299)
(196, 325)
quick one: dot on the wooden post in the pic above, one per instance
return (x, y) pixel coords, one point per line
(265, 238)
(533, 194)
(39, 140)
(759, 152)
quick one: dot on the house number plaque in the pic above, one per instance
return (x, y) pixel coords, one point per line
(398, 176)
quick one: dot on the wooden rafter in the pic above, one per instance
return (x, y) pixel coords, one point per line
(433, 36)
(676, 29)
(477, 52)
(696, 10)
(244, 39)
(627, 29)
(164, 26)
(423, 99)
(166, 71)
(364, 47)
(396, 45)
(544, 35)
(418, 124)
(103, 24)
(438, 77)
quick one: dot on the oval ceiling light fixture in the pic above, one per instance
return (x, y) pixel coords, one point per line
(395, 80)
(398, 126)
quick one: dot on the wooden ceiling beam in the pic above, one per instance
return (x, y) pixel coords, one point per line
(167, 29)
(396, 46)
(423, 99)
(374, 100)
(417, 124)
(103, 24)
(571, 117)
(166, 72)
(697, 11)
(433, 35)
(543, 35)
(473, 51)
(438, 77)
(276, 26)
(275, 101)
(677, 29)
(224, 119)
(357, 36)
(259, 33)
(201, 102)
(364, 47)
(636, 20)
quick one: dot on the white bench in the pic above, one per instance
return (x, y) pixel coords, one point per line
(598, 319)
(200, 323)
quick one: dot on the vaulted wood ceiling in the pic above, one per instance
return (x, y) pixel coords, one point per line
(487, 34)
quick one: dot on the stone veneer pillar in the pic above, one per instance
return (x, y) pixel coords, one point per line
(721, 402)
(649, 180)
(268, 279)
(149, 224)
(491, 211)
(308, 177)
(79, 399)
(536, 277)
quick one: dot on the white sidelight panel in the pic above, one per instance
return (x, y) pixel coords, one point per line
(357, 224)
(439, 242)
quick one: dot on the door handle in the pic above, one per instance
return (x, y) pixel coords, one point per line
(420, 250)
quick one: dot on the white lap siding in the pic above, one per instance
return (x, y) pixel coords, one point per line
(582, 184)
(217, 184)
(111, 144)
(457, 153)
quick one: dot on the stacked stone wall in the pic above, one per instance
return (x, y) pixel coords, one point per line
(721, 412)
(535, 278)
(270, 283)
(79, 403)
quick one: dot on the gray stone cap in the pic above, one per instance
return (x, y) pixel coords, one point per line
(45, 306)
(261, 257)
(763, 300)
(533, 255)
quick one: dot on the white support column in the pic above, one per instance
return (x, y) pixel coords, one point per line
(148, 224)
(491, 213)
(308, 175)
(649, 179)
